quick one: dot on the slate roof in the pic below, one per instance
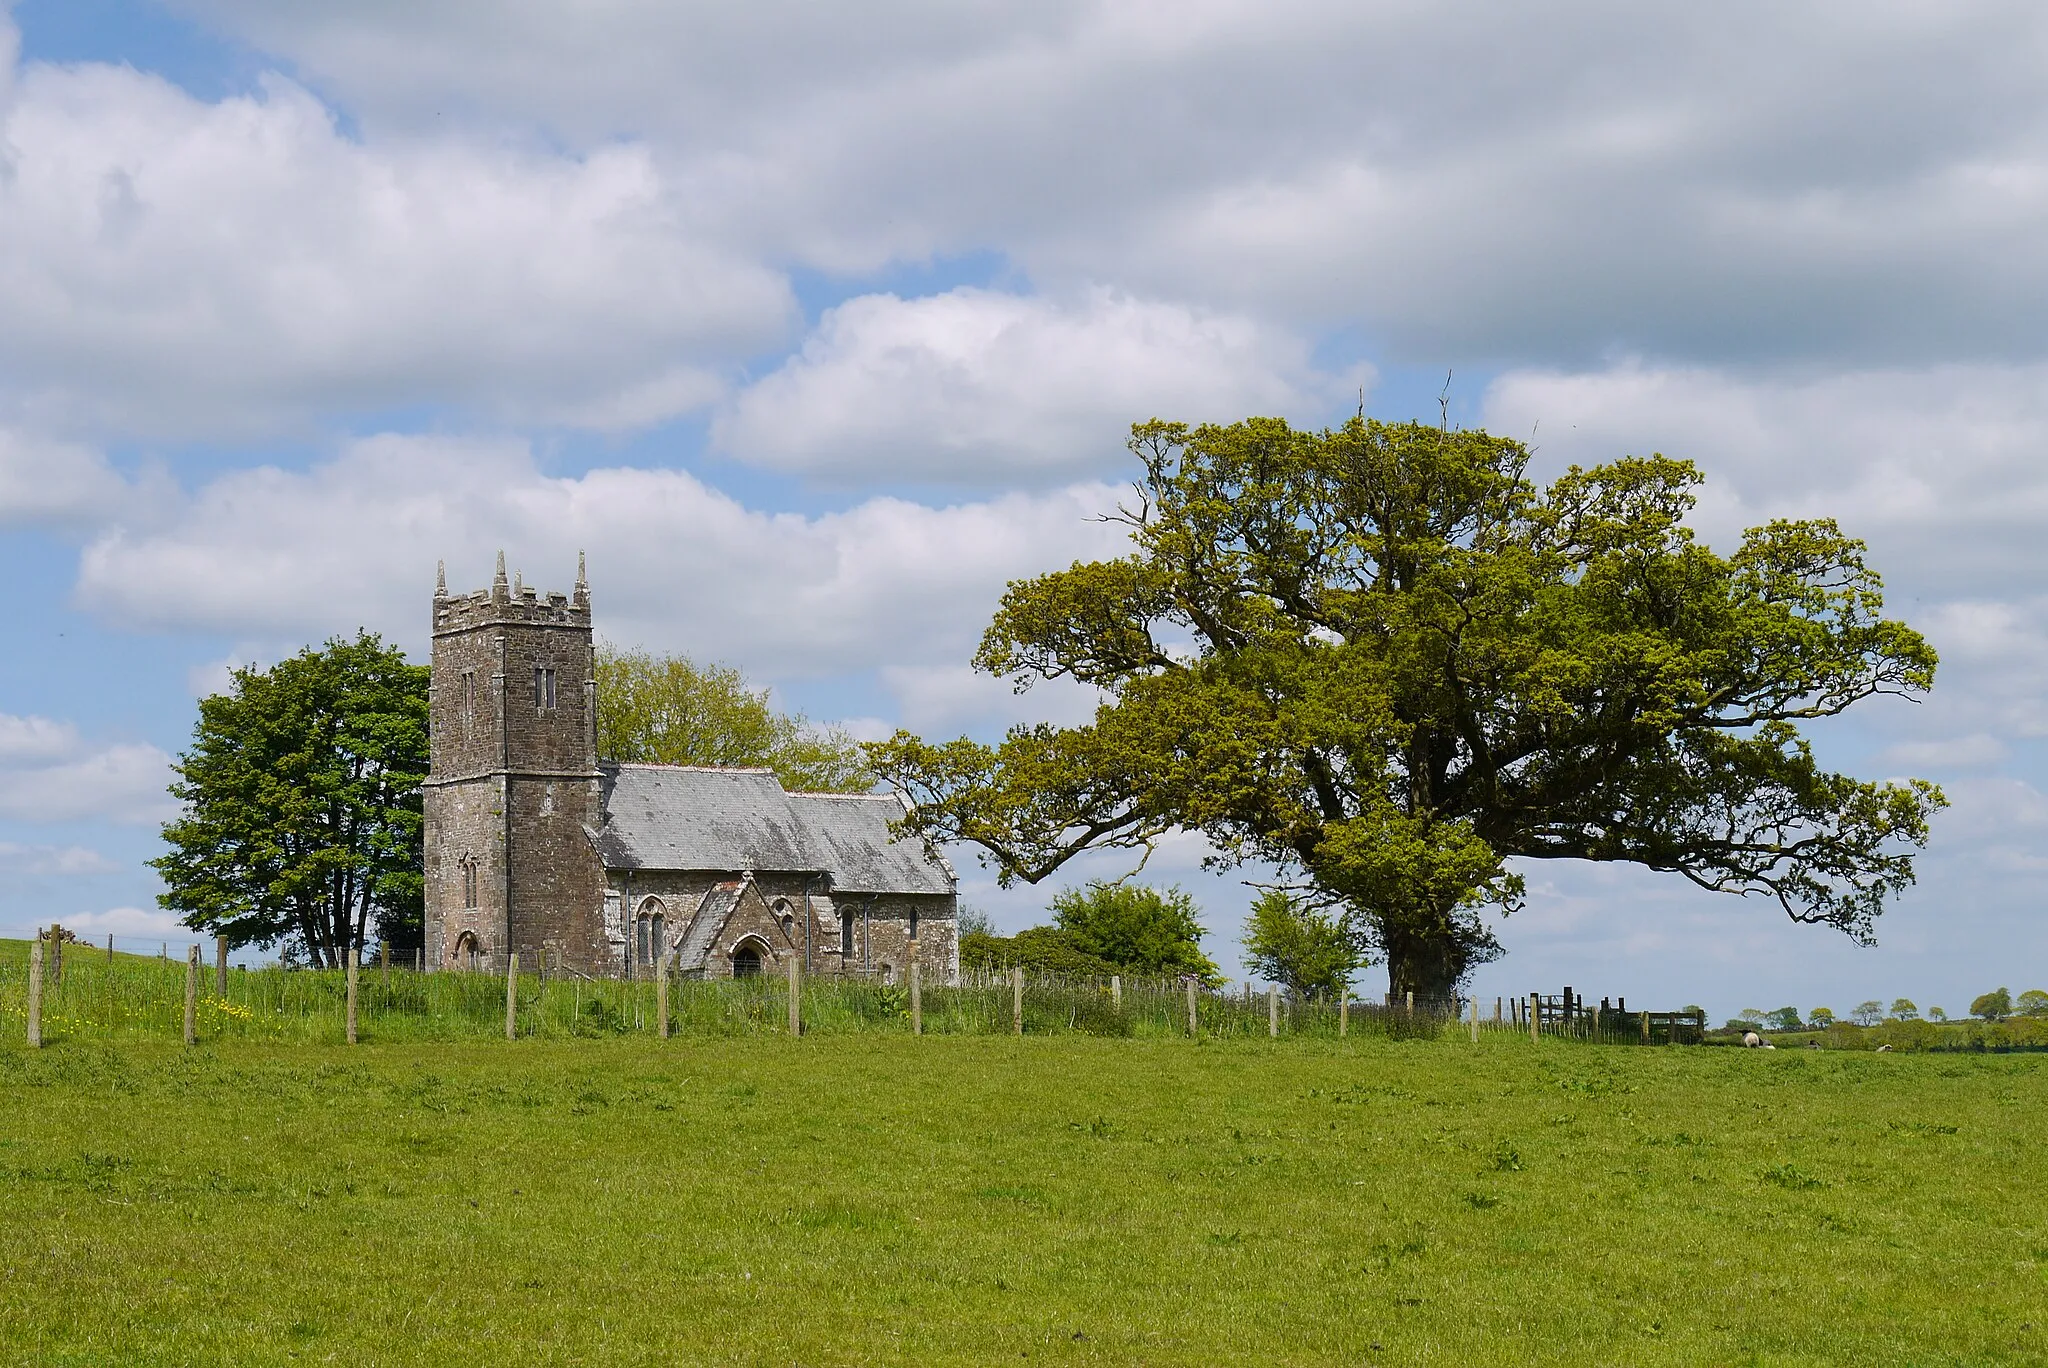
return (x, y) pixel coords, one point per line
(849, 834)
(687, 817)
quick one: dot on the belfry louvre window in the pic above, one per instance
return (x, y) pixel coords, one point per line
(469, 881)
(543, 686)
(468, 700)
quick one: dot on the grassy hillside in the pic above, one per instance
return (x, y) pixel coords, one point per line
(874, 1198)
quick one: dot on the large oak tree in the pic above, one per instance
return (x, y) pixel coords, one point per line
(1384, 660)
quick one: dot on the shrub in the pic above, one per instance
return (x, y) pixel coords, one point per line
(1040, 949)
(1139, 930)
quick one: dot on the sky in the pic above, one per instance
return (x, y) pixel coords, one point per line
(816, 325)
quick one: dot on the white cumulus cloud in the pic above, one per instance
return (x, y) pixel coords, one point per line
(980, 386)
(269, 554)
(49, 772)
(176, 267)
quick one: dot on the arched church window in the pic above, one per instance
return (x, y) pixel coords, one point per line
(747, 959)
(469, 881)
(465, 951)
(785, 917)
(846, 935)
(650, 933)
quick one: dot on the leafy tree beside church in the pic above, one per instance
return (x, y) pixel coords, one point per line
(302, 804)
(1382, 659)
(669, 710)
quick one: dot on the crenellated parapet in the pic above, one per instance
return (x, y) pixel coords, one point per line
(513, 602)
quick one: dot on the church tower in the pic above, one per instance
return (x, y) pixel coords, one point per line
(513, 785)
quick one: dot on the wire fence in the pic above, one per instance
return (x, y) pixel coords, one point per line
(93, 992)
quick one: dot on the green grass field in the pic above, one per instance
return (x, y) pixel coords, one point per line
(878, 1198)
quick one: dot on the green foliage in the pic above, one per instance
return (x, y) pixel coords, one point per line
(301, 796)
(1867, 1013)
(1142, 931)
(668, 710)
(1038, 950)
(1992, 1006)
(1384, 660)
(1904, 1010)
(1936, 1014)
(2032, 1003)
(1784, 1019)
(1302, 947)
(975, 921)
(1820, 1018)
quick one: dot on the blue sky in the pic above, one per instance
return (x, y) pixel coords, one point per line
(815, 328)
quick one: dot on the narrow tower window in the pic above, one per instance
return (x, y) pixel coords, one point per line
(468, 701)
(543, 686)
(469, 881)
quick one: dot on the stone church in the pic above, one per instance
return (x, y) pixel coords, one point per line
(535, 847)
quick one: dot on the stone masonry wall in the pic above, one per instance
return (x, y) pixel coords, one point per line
(513, 781)
(881, 927)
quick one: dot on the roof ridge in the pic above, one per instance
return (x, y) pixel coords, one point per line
(694, 769)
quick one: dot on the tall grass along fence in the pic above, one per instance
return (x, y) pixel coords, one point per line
(75, 991)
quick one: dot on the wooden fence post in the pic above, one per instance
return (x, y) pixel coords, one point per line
(660, 992)
(1646, 1028)
(512, 996)
(1411, 1002)
(916, 993)
(1116, 991)
(110, 951)
(1475, 1021)
(1344, 1013)
(192, 995)
(35, 994)
(353, 972)
(1273, 1011)
(1497, 1004)
(1194, 1017)
(796, 996)
(1535, 1017)
(56, 953)
(220, 967)
(1016, 999)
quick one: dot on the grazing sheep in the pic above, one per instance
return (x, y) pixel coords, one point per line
(1751, 1040)
(1884, 1049)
